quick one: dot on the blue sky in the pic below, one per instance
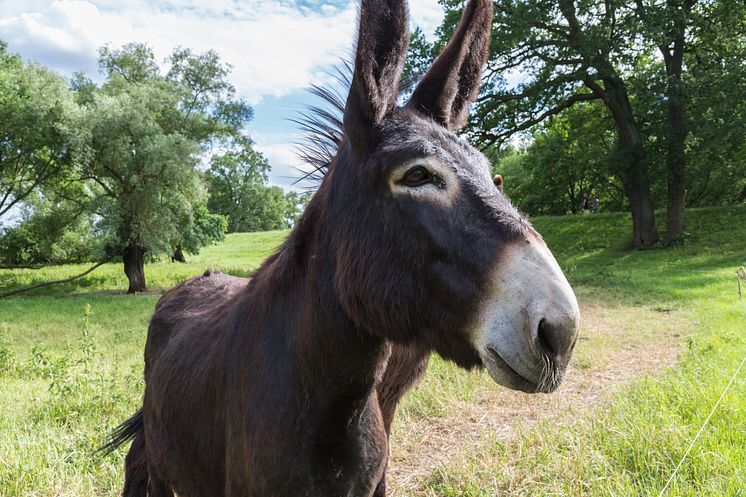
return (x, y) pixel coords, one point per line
(278, 48)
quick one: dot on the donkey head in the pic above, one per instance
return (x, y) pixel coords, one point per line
(424, 247)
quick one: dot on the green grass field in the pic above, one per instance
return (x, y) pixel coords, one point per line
(71, 361)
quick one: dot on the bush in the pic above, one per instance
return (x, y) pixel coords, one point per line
(48, 234)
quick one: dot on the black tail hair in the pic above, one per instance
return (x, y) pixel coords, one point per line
(123, 433)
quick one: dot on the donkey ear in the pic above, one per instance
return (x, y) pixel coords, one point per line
(381, 47)
(452, 83)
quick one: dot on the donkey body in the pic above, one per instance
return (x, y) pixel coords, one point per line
(285, 385)
(406, 364)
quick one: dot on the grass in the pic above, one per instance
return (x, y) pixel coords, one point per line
(71, 366)
(238, 255)
(71, 361)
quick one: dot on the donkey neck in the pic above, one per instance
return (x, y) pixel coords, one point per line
(322, 378)
(335, 364)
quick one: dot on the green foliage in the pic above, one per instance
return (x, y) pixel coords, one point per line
(209, 107)
(238, 190)
(205, 228)
(716, 147)
(567, 159)
(269, 209)
(420, 55)
(296, 203)
(133, 63)
(48, 232)
(38, 139)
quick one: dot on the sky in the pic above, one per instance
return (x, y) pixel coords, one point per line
(277, 48)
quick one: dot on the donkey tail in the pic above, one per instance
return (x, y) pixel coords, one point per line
(123, 433)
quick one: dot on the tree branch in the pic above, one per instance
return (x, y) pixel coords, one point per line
(488, 139)
(55, 282)
(595, 88)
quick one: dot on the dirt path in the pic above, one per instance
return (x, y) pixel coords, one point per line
(616, 345)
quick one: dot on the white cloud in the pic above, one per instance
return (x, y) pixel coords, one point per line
(274, 48)
(426, 14)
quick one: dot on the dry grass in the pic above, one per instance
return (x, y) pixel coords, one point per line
(616, 345)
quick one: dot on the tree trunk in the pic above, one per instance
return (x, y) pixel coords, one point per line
(178, 255)
(676, 162)
(134, 267)
(676, 157)
(644, 228)
(630, 165)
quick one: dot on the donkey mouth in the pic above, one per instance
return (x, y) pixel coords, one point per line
(505, 375)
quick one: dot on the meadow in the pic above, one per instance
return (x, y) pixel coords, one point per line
(662, 333)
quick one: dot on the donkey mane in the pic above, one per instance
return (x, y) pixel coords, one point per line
(322, 127)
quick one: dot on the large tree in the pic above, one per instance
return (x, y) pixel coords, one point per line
(665, 23)
(147, 132)
(38, 141)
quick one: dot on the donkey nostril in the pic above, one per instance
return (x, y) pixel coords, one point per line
(556, 338)
(548, 340)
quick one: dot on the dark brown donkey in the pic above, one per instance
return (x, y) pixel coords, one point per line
(271, 387)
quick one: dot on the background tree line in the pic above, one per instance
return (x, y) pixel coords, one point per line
(91, 171)
(641, 103)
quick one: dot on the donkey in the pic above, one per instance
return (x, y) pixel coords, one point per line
(271, 387)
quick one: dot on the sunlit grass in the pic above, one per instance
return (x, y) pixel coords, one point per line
(239, 255)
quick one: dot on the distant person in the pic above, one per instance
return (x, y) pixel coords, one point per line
(499, 182)
(596, 205)
(586, 208)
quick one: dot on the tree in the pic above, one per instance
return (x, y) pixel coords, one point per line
(567, 158)
(296, 203)
(270, 209)
(50, 231)
(37, 141)
(716, 144)
(235, 178)
(568, 52)
(237, 184)
(146, 133)
(665, 24)
(145, 181)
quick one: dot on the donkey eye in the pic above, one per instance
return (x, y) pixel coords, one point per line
(417, 176)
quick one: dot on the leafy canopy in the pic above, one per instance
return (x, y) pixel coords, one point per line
(148, 130)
